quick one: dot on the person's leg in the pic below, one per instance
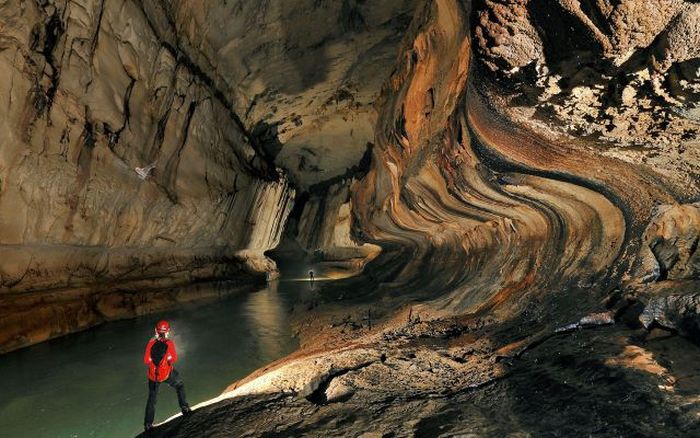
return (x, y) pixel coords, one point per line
(151, 404)
(176, 382)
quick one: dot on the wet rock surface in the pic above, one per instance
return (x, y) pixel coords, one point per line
(600, 382)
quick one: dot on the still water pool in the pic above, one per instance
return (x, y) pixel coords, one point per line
(93, 383)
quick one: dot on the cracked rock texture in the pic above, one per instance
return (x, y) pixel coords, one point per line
(90, 93)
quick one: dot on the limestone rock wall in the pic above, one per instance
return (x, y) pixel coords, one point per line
(91, 95)
(324, 229)
(488, 193)
(520, 148)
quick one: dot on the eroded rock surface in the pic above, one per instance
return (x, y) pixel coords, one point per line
(302, 74)
(450, 385)
(670, 244)
(121, 167)
(622, 76)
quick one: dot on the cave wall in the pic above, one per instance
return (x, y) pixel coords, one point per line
(502, 178)
(520, 149)
(91, 91)
(324, 229)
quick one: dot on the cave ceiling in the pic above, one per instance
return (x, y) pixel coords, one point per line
(303, 75)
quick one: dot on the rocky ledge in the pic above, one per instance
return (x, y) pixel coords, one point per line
(596, 376)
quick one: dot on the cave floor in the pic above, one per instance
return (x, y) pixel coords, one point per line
(93, 383)
(452, 378)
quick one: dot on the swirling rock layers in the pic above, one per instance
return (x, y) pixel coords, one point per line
(496, 207)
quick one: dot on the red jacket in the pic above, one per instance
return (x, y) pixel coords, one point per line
(158, 372)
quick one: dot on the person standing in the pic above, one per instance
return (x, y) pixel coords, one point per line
(160, 356)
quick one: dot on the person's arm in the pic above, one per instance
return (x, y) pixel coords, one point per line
(172, 354)
(147, 355)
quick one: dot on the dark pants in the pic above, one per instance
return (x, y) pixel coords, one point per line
(173, 380)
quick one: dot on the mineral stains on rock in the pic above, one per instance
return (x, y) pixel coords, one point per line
(533, 165)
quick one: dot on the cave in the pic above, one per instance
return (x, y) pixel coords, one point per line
(396, 218)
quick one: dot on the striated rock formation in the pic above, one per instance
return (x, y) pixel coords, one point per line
(91, 97)
(482, 168)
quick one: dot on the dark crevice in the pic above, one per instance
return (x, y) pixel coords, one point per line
(594, 13)
(84, 163)
(693, 247)
(94, 40)
(318, 396)
(265, 135)
(114, 136)
(259, 165)
(230, 201)
(54, 30)
(351, 19)
(170, 172)
(159, 136)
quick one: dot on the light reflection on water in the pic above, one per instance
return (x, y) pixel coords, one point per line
(93, 383)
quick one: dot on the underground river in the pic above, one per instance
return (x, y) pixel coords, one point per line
(93, 383)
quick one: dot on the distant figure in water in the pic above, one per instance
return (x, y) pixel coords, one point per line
(311, 276)
(160, 356)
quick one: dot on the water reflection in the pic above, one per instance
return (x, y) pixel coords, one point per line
(93, 384)
(267, 314)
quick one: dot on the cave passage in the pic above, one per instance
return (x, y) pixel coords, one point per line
(93, 383)
(485, 215)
